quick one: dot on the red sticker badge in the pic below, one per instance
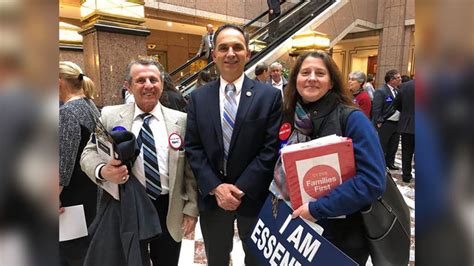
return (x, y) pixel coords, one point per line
(285, 131)
(175, 141)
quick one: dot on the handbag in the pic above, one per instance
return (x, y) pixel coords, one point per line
(387, 224)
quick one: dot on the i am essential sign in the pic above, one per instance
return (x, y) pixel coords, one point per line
(286, 241)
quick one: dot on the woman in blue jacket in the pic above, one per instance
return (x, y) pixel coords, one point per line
(317, 105)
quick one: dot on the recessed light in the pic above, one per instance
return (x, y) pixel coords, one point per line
(169, 23)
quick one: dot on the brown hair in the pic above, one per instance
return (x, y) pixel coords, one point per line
(72, 74)
(291, 93)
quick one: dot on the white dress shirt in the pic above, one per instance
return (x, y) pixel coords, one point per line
(238, 83)
(158, 127)
(278, 85)
(160, 135)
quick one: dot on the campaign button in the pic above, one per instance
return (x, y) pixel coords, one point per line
(285, 131)
(175, 141)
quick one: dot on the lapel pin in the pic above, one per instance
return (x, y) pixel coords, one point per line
(248, 93)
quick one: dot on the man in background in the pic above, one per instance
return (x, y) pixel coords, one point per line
(274, 12)
(206, 43)
(276, 79)
(385, 117)
(261, 72)
(405, 103)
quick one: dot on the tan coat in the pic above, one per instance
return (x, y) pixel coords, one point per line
(182, 184)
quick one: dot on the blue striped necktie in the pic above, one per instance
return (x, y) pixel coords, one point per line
(228, 121)
(150, 160)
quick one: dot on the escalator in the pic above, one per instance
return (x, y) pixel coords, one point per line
(293, 18)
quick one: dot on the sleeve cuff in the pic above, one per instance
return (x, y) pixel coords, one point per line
(97, 172)
(315, 211)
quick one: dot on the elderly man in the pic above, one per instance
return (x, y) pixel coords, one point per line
(232, 146)
(160, 166)
(206, 43)
(276, 79)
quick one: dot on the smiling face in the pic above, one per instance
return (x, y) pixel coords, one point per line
(146, 86)
(313, 80)
(230, 54)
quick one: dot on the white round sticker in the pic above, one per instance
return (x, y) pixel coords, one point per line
(175, 141)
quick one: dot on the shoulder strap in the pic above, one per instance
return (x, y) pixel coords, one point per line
(343, 115)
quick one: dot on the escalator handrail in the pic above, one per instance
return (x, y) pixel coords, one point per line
(285, 35)
(193, 76)
(289, 11)
(183, 66)
(196, 57)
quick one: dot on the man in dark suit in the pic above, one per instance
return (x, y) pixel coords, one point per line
(206, 43)
(385, 117)
(405, 103)
(232, 145)
(273, 12)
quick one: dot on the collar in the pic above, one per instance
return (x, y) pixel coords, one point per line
(156, 112)
(279, 83)
(357, 92)
(321, 107)
(238, 83)
(390, 87)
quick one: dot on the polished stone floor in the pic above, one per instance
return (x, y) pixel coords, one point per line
(192, 250)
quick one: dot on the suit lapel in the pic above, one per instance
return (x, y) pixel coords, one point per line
(389, 91)
(215, 112)
(246, 98)
(126, 117)
(171, 123)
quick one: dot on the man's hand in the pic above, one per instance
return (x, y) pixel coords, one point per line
(189, 224)
(303, 212)
(379, 125)
(227, 196)
(114, 172)
(270, 11)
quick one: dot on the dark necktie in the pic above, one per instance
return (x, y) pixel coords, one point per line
(150, 159)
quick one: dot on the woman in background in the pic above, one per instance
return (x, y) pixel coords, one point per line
(361, 97)
(316, 103)
(76, 123)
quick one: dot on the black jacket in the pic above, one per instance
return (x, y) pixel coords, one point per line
(382, 106)
(405, 103)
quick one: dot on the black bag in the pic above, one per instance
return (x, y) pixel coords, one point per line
(387, 222)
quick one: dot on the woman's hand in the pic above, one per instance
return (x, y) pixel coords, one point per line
(303, 212)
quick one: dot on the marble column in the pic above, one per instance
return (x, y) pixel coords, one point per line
(394, 40)
(108, 47)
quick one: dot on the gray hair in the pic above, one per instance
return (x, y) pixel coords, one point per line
(359, 76)
(145, 61)
(275, 65)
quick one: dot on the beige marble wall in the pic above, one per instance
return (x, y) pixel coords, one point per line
(219, 10)
(106, 56)
(396, 38)
(396, 41)
(75, 56)
(177, 46)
